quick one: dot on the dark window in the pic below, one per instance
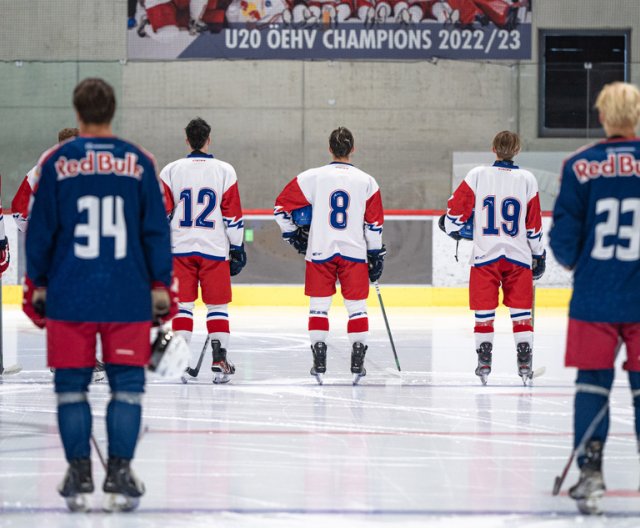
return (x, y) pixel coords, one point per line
(574, 68)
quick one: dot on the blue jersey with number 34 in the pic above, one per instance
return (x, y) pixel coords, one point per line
(98, 236)
(596, 230)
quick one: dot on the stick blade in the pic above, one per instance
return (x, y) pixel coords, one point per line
(14, 369)
(557, 484)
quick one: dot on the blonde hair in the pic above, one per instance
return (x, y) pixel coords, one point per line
(506, 144)
(619, 105)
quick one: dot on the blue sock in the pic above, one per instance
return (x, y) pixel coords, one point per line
(592, 393)
(123, 427)
(634, 382)
(124, 412)
(74, 412)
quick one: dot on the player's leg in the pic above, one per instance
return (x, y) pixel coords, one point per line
(186, 271)
(517, 284)
(591, 347)
(320, 286)
(215, 281)
(354, 285)
(484, 282)
(631, 337)
(126, 352)
(72, 377)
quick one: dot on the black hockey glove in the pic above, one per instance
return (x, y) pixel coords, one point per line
(237, 259)
(539, 265)
(298, 239)
(375, 259)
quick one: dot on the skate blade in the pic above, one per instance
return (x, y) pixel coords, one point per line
(358, 377)
(319, 377)
(527, 379)
(96, 377)
(590, 505)
(79, 502)
(117, 502)
(220, 378)
(14, 369)
(483, 378)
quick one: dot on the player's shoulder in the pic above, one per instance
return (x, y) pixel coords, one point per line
(224, 165)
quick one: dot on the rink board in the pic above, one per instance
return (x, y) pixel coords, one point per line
(400, 296)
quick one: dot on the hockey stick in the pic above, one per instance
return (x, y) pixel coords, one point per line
(100, 455)
(195, 371)
(557, 484)
(386, 322)
(580, 447)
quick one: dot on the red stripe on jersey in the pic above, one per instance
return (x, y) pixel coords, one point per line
(534, 216)
(291, 197)
(231, 206)
(461, 204)
(20, 202)
(374, 214)
(169, 204)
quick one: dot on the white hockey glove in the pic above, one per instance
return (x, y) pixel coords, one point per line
(169, 355)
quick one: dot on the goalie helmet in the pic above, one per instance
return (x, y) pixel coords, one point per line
(169, 355)
(302, 217)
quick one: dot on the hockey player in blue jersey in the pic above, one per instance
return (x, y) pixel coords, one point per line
(98, 263)
(596, 233)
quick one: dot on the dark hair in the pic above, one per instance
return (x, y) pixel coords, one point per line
(341, 142)
(198, 131)
(506, 144)
(67, 133)
(95, 101)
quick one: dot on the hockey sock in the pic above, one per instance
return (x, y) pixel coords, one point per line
(592, 393)
(483, 330)
(634, 383)
(124, 412)
(319, 318)
(522, 327)
(74, 412)
(182, 323)
(358, 325)
(218, 323)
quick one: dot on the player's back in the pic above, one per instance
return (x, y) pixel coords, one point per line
(502, 195)
(198, 184)
(338, 193)
(601, 188)
(99, 208)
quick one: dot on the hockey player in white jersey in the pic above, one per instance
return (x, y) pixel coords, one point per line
(207, 231)
(344, 242)
(502, 202)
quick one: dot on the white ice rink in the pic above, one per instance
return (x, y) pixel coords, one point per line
(431, 447)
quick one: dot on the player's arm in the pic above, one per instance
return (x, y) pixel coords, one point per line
(288, 200)
(533, 223)
(231, 209)
(41, 236)
(21, 203)
(156, 243)
(460, 206)
(566, 237)
(373, 219)
(167, 192)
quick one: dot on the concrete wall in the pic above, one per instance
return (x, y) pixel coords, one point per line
(271, 119)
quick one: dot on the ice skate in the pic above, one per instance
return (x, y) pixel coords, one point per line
(142, 28)
(319, 351)
(98, 371)
(221, 368)
(484, 361)
(525, 361)
(189, 375)
(77, 485)
(122, 488)
(357, 362)
(590, 488)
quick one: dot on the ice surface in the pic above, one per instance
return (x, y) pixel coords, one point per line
(426, 447)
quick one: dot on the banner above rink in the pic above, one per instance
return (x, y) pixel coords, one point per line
(330, 29)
